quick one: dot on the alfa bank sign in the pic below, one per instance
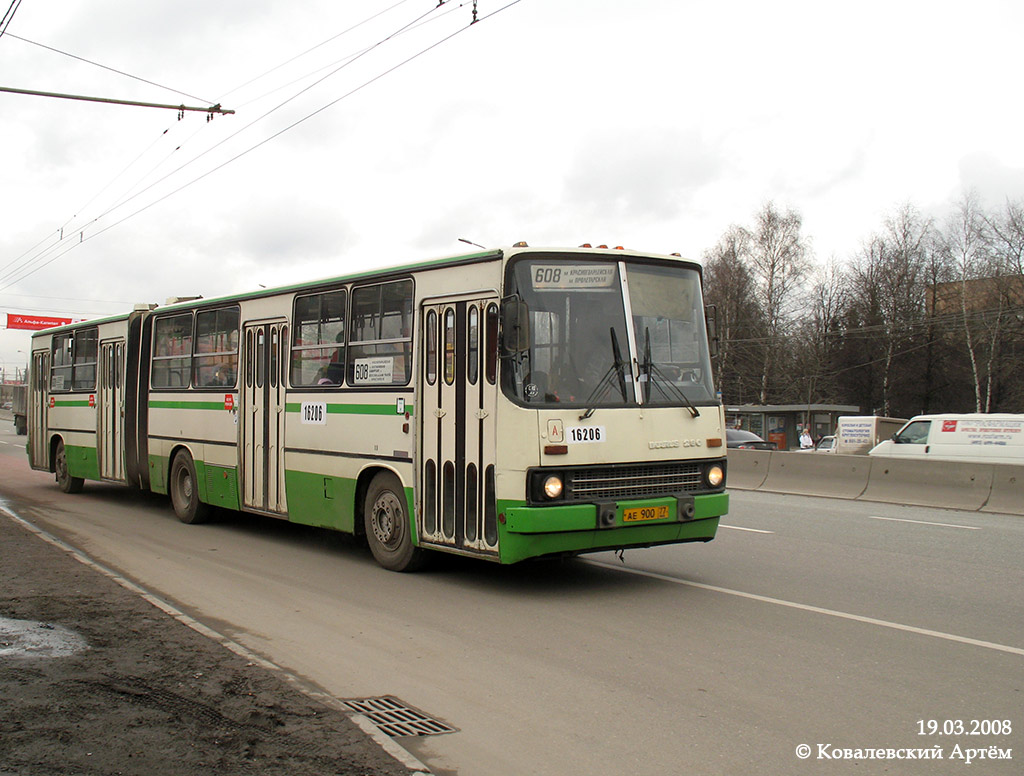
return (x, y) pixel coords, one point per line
(36, 322)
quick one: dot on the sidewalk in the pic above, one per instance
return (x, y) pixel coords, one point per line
(94, 680)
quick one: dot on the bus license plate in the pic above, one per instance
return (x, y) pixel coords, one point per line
(640, 514)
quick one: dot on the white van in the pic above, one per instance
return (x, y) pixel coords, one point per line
(981, 438)
(857, 434)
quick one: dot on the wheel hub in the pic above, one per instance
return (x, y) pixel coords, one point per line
(385, 527)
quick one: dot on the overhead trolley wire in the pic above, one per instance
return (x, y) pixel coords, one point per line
(110, 69)
(310, 50)
(5, 22)
(9, 278)
(67, 236)
(345, 60)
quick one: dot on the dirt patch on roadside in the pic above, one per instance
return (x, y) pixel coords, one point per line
(141, 693)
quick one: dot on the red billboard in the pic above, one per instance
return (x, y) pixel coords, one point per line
(35, 322)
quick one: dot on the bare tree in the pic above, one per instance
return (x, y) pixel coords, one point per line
(965, 240)
(730, 288)
(817, 339)
(779, 260)
(889, 296)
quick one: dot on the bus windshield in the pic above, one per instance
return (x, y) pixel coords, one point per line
(609, 334)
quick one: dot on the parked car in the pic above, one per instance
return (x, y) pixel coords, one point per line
(746, 440)
(827, 444)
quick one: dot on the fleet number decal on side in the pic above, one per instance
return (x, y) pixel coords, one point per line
(314, 412)
(580, 434)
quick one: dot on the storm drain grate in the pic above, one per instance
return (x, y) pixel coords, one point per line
(395, 718)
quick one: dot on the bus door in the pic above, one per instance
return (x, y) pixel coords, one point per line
(458, 398)
(110, 412)
(262, 412)
(38, 403)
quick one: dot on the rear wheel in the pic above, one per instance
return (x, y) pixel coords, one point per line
(65, 481)
(388, 531)
(185, 492)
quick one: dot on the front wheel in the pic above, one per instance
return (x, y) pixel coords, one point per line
(388, 531)
(185, 492)
(65, 481)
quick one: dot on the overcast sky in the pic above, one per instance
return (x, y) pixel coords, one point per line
(654, 124)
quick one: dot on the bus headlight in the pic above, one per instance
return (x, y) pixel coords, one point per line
(714, 475)
(552, 486)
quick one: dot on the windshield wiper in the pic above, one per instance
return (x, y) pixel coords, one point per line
(651, 370)
(601, 389)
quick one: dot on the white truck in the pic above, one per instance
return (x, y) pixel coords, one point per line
(857, 434)
(978, 437)
(20, 409)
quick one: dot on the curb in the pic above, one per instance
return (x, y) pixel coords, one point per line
(387, 743)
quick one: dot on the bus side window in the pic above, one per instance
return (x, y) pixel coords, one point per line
(284, 355)
(473, 346)
(172, 351)
(248, 359)
(491, 343)
(449, 346)
(431, 347)
(318, 339)
(86, 359)
(215, 363)
(60, 363)
(273, 357)
(261, 356)
(380, 334)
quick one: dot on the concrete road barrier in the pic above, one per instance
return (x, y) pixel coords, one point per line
(747, 468)
(1007, 495)
(929, 483)
(808, 474)
(985, 487)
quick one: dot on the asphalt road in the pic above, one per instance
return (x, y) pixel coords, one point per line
(825, 623)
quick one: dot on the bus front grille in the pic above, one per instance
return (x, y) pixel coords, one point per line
(621, 483)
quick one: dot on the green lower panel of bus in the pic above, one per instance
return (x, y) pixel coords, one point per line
(530, 532)
(319, 500)
(82, 462)
(218, 485)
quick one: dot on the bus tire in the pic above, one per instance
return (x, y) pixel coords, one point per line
(65, 481)
(386, 519)
(184, 491)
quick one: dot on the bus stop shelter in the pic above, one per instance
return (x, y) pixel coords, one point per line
(781, 423)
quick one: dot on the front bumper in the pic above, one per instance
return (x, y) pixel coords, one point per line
(536, 531)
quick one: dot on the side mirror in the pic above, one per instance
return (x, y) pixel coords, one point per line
(515, 326)
(711, 323)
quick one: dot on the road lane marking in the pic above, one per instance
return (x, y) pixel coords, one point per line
(814, 609)
(925, 522)
(739, 528)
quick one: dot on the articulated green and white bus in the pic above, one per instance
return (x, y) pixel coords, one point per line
(507, 404)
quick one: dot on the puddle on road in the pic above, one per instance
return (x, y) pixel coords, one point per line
(28, 638)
